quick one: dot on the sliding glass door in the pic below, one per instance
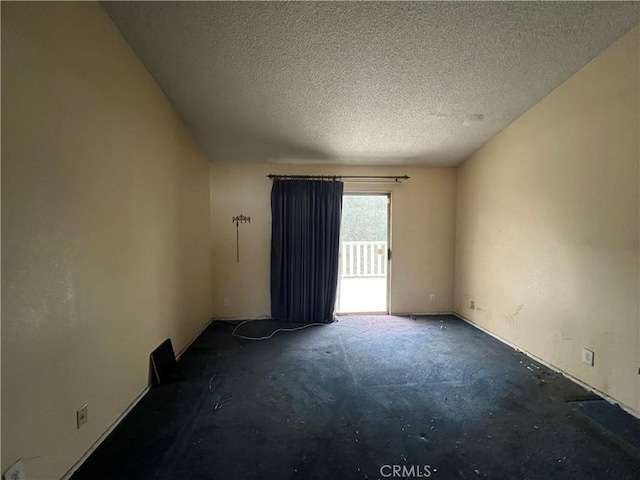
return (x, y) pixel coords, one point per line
(364, 247)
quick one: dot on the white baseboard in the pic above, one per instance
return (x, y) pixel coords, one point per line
(418, 314)
(179, 354)
(102, 437)
(122, 416)
(240, 319)
(586, 386)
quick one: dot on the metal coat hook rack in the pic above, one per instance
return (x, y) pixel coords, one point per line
(238, 220)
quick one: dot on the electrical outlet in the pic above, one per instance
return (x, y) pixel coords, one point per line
(82, 415)
(226, 302)
(15, 472)
(587, 356)
(432, 298)
(472, 305)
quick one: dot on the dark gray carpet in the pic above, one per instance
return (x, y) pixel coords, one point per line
(611, 417)
(346, 400)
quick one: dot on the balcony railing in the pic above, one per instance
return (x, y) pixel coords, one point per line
(363, 259)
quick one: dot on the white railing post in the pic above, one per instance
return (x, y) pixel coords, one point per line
(361, 259)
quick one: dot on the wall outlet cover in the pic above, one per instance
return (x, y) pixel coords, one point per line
(587, 356)
(15, 472)
(82, 415)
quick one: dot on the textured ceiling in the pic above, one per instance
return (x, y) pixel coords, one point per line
(422, 83)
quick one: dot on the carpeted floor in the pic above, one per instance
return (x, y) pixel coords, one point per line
(613, 418)
(361, 399)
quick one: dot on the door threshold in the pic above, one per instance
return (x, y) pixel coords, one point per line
(346, 314)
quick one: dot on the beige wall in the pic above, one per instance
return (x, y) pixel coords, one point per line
(106, 245)
(105, 230)
(422, 235)
(547, 242)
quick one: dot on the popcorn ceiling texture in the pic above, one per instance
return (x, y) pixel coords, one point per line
(362, 83)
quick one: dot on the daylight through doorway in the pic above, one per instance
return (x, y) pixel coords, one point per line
(364, 246)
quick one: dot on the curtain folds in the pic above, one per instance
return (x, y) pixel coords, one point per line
(305, 240)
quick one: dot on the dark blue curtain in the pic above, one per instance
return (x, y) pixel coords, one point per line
(305, 239)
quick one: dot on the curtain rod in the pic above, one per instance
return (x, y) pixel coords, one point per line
(397, 178)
